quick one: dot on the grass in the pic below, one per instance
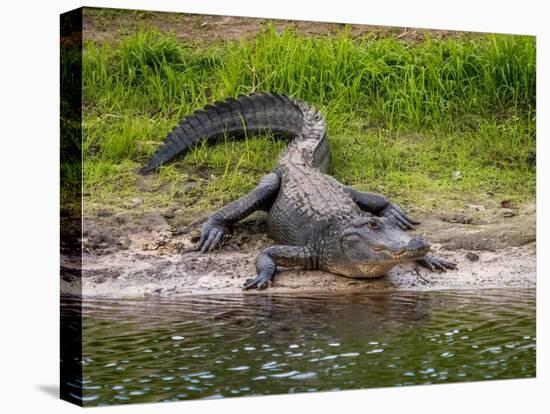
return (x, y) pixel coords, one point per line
(403, 116)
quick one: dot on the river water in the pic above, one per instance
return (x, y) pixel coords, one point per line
(241, 345)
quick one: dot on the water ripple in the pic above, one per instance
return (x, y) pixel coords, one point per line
(220, 346)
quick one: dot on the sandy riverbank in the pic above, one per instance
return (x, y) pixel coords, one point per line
(148, 255)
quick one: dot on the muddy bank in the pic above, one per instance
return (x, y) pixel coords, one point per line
(152, 255)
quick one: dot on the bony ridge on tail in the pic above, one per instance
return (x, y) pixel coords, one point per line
(317, 222)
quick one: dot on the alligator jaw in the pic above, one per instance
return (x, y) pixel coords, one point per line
(403, 254)
(373, 270)
(406, 254)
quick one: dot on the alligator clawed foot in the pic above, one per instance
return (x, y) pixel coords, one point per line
(211, 236)
(259, 282)
(436, 264)
(398, 216)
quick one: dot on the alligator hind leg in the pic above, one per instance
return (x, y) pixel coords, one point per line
(286, 256)
(435, 264)
(216, 226)
(381, 206)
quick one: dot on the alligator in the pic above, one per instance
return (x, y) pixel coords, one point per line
(317, 222)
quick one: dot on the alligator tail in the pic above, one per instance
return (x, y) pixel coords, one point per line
(245, 116)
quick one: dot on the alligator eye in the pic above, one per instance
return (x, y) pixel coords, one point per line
(374, 225)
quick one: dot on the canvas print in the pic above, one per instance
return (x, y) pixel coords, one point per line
(253, 206)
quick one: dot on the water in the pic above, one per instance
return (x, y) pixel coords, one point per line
(224, 346)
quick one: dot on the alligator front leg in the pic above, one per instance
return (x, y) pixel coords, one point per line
(381, 206)
(286, 256)
(217, 224)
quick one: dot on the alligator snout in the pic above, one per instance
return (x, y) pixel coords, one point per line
(415, 248)
(418, 243)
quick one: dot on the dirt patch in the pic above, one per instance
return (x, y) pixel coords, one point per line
(149, 256)
(109, 24)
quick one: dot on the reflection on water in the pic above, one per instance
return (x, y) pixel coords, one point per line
(223, 346)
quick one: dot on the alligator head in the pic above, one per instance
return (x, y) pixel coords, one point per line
(370, 246)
